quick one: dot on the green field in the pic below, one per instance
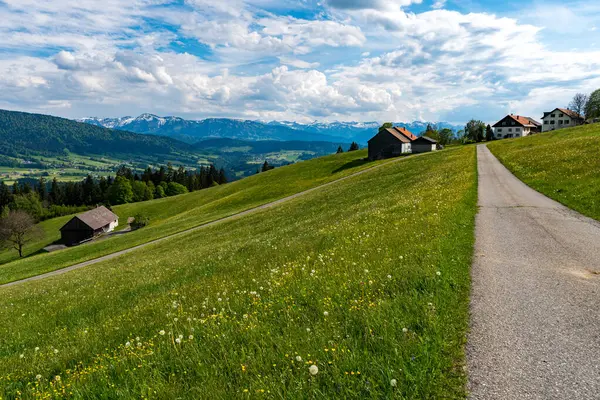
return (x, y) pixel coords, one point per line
(174, 214)
(564, 165)
(367, 279)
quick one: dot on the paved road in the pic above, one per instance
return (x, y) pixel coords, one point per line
(206, 225)
(535, 305)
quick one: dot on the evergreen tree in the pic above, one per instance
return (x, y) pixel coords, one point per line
(42, 189)
(354, 146)
(266, 166)
(489, 133)
(339, 150)
(6, 197)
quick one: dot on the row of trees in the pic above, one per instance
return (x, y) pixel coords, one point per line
(46, 200)
(586, 105)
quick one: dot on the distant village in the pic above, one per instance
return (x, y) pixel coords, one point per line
(393, 141)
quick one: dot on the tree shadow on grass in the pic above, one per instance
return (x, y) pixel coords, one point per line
(352, 164)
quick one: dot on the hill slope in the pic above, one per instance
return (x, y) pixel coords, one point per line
(564, 165)
(24, 133)
(174, 214)
(368, 280)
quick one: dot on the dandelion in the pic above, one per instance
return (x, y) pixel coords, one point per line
(175, 319)
(325, 313)
(180, 336)
(307, 329)
(389, 277)
(245, 316)
(366, 271)
(178, 341)
(298, 358)
(191, 337)
(37, 349)
(128, 344)
(57, 378)
(22, 356)
(438, 273)
(55, 351)
(394, 383)
(404, 330)
(161, 333)
(38, 377)
(139, 344)
(313, 370)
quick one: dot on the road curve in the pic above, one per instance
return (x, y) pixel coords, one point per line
(202, 226)
(535, 301)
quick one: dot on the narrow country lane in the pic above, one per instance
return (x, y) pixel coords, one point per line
(535, 304)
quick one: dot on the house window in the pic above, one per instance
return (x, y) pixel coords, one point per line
(518, 130)
(566, 122)
(552, 122)
(560, 122)
(560, 115)
(553, 115)
(545, 122)
(512, 122)
(499, 130)
(510, 130)
(503, 123)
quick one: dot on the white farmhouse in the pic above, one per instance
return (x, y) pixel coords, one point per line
(514, 126)
(560, 118)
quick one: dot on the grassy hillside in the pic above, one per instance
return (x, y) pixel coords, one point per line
(367, 279)
(564, 165)
(174, 214)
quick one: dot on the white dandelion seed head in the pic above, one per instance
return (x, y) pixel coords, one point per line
(175, 319)
(38, 377)
(389, 277)
(22, 356)
(394, 383)
(313, 370)
(404, 330)
(191, 337)
(180, 336)
(139, 344)
(128, 344)
(161, 333)
(177, 340)
(37, 349)
(438, 273)
(325, 313)
(298, 358)
(55, 351)
(307, 329)
(57, 378)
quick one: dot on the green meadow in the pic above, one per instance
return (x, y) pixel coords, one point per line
(175, 214)
(357, 290)
(564, 165)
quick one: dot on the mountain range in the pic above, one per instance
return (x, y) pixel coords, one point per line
(193, 131)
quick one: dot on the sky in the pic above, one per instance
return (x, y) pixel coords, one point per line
(298, 60)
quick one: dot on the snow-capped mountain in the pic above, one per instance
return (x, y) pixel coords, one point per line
(193, 131)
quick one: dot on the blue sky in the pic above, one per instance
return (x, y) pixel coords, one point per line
(302, 60)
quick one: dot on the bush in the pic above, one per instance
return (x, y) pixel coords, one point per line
(140, 221)
(173, 189)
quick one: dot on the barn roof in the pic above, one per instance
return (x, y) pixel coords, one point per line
(402, 134)
(521, 120)
(565, 111)
(427, 139)
(96, 218)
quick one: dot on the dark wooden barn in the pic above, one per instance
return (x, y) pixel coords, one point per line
(423, 144)
(88, 225)
(390, 142)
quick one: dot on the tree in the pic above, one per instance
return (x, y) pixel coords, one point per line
(267, 167)
(339, 150)
(592, 107)
(445, 136)
(6, 196)
(475, 131)
(140, 221)
(17, 229)
(489, 133)
(386, 125)
(159, 192)
(174, 189)
(141, 191)
(578, 103)
(120, 191)
(353, 146)
(29, 203)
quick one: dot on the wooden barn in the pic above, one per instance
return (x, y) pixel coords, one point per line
(390, 142)
(88, 225)
(423, 144)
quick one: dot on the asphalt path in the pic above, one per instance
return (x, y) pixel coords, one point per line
(535, 301)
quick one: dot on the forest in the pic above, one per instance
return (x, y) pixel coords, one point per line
(44, 200)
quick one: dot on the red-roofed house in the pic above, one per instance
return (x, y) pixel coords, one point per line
(513, 126)
(560, 118)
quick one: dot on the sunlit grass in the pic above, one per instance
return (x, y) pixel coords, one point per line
(367, 280)
(174, 214)
(564, 165)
